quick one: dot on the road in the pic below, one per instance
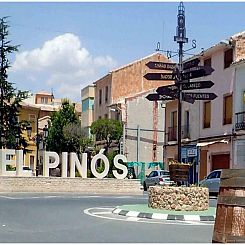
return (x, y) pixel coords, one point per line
(87, 218)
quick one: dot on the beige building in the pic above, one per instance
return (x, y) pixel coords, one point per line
(213, 128)
(121, 95)
(87, 113)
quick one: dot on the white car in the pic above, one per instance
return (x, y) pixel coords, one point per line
(212, 181)
(157, 177)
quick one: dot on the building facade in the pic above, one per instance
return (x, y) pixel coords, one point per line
(87, 95)
(120, 95)
(213, 126)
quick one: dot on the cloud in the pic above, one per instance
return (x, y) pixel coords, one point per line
(62, 64)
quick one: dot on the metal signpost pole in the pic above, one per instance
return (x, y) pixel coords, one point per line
(180, 38)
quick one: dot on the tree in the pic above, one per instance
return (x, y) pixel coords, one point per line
(108, 130)
(10, 97)
(76, 137)
(65, 133)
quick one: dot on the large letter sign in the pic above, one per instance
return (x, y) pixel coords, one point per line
(93, 166)
(52, 160)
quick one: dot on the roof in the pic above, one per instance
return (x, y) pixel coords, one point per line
(129, 64)
(139, 60)
(44, 93)
(223, 43)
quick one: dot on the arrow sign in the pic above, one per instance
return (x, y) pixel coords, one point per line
(161, 65)
(191, 63)
(197, 85)
(159, 76)
(167, 90)
(200, 96)
(154, 97)
(188, 98)
(196, 72)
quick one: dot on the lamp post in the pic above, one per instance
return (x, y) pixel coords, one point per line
(38, 138)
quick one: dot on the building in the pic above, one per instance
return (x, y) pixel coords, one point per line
(213, 127)
(112, 89)
(87, 114)
(120, 95)
(143, 132)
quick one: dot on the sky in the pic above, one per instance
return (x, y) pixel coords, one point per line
(66, 46)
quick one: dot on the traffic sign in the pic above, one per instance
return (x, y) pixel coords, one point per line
(200, 96)
(161, 65)
(191, 63)
(159, 76)
(197, 85)
(188, 98)
(167, 89)
(196, 72)
(154, 97)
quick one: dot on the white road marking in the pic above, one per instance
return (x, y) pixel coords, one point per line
(106, 212)
(117, 211)
(90, 212)
(132, 214)
(75, 197)
(133, 219)
(192, 217)
(160, 216)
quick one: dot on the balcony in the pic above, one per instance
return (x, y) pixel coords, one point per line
(172, 133)
(240, 121)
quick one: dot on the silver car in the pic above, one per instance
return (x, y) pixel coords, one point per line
(212, 181)
(157, 177)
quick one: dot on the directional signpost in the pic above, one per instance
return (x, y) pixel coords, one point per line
(159, 76)
(161, 65)
(196, 72)
(155, 97)
(200, 96)
(181, 75)
(185, 86)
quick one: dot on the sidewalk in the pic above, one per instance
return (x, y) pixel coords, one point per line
(143, 211)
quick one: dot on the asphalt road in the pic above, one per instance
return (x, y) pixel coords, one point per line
(61, 218)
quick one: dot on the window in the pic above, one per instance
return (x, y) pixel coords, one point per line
(174, 119)
(44, 100)
(228, 58)
(208, 62)
(106, 94)
(206, 114)
(227, 110)
(32, 117)
(100, 97)
(106, 116)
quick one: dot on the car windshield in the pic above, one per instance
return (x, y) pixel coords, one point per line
(164, 173)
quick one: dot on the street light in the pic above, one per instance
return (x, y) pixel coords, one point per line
(38, 138)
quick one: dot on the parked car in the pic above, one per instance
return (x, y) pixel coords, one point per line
(157, 177)
(212, 182)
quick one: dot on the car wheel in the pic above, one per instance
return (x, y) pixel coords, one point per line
(145, 188)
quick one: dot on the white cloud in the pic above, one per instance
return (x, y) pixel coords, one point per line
(63, 64)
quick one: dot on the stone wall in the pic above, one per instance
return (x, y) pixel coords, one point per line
(179, 198)
(58, 184)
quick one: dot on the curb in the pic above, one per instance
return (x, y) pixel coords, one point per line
(159, 216)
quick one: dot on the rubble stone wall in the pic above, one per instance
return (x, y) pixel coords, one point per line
(179, 198)
(59, 184)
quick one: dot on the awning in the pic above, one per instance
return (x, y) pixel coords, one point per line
(201, 144)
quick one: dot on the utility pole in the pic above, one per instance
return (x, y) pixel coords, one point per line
(180, 38)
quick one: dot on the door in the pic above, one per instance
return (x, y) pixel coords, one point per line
(221, 161)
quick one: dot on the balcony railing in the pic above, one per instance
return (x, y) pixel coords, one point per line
(240, 121)
(172, 133)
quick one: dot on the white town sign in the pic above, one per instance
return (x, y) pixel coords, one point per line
(51, 160)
